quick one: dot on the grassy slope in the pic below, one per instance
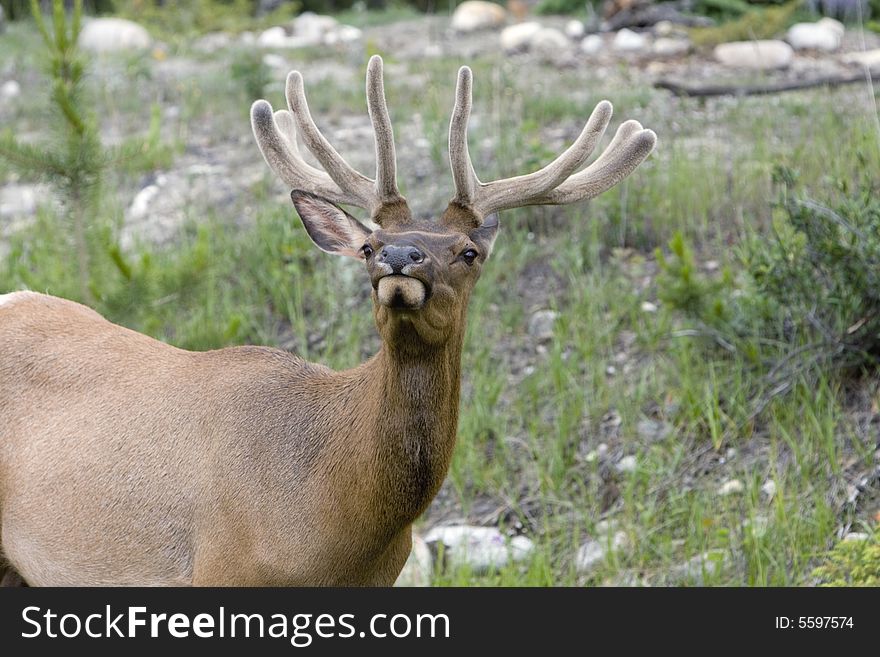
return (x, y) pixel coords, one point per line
(531, 413)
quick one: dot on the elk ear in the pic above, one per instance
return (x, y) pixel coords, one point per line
(331, 228)
(485, 235)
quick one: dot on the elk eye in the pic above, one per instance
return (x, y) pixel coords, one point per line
(469, 256)
(367, 250)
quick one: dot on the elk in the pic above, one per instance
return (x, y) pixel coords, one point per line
(126, 461)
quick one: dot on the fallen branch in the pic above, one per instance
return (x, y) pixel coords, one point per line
(754, 90)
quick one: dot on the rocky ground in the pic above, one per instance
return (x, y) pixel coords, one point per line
(219, 166)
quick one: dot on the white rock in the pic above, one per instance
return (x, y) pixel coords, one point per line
(480, 548)
(755, 55)
(343, 34)
(312, 27)
(272, 60)
(824, 35)
(113, 34)
(628, 41)
(732, 487)
(648, 307)
(833, 25)
(549, 41)
(869, 59)
(856, 536)
(212, 42)
(664, 28)
(593, 553)
(670, 47)
(419, 566)
(20, 200)
(769, 489)
(273, 37)
(516, 38)
(541, 324)
(475, 15)
(10, 89)
(574, 29)
(592, 44)
(142, 201)
(627, 464)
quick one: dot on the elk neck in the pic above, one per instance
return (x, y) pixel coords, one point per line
(415, 420)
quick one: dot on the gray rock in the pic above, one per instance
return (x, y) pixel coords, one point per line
(549, 41)
(480, 548)
(541, 325)
(652, 431)
(700, 567)
(419, 566)
(825, 35)
(670, 46)
(113, 35)
(769, 489)
(755, 55)
(517, 38)
(868, 59)
(593, 554)
(757, 526)
(628, 41)
(856, 536)
(474, 15)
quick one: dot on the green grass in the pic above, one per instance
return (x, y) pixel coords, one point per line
(529, 416)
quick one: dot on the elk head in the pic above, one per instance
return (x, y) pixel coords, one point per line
(422, 272)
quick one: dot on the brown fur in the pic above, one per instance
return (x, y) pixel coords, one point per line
(124, 460)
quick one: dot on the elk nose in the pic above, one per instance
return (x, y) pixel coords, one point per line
(398, 257)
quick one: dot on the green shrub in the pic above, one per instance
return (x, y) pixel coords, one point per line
(682, 287)
(251, 73)
(851, 563)
(807, 298)
(73, 160)
(757, 23)
(546, 7)
(180, 19)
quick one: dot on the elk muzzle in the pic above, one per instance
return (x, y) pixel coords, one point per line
(401, 292)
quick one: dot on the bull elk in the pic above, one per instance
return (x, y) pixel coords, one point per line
(126, 461)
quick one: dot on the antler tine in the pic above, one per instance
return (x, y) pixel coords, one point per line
(630, 146)
(386, 161)
(276, 138)
(463, 175)
(555, 183)
(349, 181)
(521, 190)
